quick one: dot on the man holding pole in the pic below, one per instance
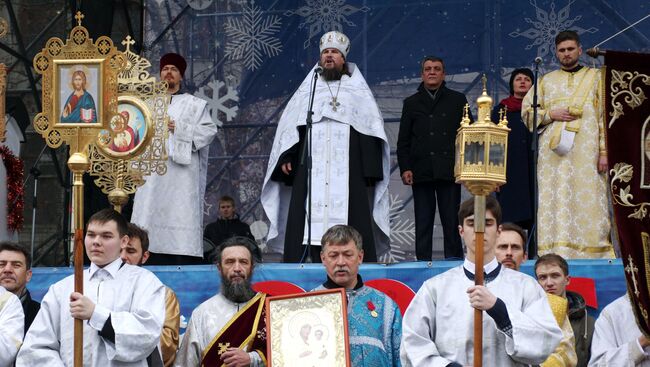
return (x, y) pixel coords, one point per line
(438, 326)
(122, 308)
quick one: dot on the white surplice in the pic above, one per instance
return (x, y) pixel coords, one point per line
(206, 322)
(358, 110)
(170, 206)
(438, 326)
(615, 338)
(12, 320)
(132, 296)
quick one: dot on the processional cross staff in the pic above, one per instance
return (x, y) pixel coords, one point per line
(481, 166)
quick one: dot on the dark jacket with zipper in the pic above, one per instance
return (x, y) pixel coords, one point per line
(582, 325)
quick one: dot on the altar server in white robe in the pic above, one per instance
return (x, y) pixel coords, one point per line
(229, 328)
(123, 307)
(11, 327)
(617, 341)
(170, 206)
(518, 325)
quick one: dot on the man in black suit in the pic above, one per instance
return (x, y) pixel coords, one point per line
(15, 273)
(425, 153)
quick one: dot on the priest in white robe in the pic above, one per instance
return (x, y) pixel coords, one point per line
(617, 341)
(122, 308)
(12, 319)
(170, 206)
(350, 155)
(229, 328)
(518, 325)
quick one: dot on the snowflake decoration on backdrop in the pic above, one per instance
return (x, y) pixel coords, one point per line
(402, 232)
(218, 103)
(324, 15)
(547, 25)
(206, 207)
(252, 36)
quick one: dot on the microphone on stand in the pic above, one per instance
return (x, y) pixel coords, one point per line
(318, 70)
(538, 60)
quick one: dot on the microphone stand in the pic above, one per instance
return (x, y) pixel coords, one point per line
(535, 149)
(306, 159)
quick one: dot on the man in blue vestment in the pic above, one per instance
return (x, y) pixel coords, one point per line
(374, 320)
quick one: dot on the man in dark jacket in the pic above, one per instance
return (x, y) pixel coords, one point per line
(552, 273)
(15, 273)
(425, 153)
(228, 225)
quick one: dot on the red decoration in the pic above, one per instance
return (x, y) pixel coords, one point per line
(371, 306)
(15, 190)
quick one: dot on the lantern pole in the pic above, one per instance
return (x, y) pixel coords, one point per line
(481, 166)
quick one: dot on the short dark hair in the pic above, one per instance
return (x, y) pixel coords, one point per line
(431, 58)
(135, 231)
(552, 259)
(509, 226)
(567, 35)
(228, 199)
(341, 233)
(16, 247)
(467, 209)
(107, 215)
(236, 241)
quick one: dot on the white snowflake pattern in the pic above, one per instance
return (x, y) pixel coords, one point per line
(252, 36)
(218, 103)
(547, 25)
(402, 232)
(325, 15)
(206, 207)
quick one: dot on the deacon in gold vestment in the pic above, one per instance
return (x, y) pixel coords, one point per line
(572, 218)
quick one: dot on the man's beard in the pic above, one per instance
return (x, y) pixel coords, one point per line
(238, 292)
(332, 74)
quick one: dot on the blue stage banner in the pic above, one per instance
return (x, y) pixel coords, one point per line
(195, 284)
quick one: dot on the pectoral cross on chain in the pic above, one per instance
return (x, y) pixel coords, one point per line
(334, 104)
(632, 270)
(223, 348)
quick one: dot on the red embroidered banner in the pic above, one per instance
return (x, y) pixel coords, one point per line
(627, 122)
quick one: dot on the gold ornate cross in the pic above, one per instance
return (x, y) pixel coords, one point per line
(79, 17)
(632, 270)
(223, 348)
(128, 42)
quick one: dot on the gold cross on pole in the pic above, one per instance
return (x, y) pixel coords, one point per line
(223, 348)
(632, 270)
(79, 17)
(128, 42)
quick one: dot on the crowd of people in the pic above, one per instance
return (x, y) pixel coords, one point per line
(339, 218)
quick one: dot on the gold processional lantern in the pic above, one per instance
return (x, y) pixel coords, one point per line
(481, 166)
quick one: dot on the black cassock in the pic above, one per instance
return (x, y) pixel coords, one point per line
(365, 170)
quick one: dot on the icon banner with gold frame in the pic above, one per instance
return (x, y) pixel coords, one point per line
(308, 329)
(79, 88)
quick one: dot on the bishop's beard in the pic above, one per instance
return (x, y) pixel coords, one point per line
(238, 292)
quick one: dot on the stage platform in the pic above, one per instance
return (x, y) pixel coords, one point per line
(195, 284)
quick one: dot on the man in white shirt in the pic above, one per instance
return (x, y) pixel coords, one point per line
(518, 328)
(617, 341)
(11, 327)
(122, 308)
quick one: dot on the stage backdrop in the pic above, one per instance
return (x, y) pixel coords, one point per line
(195, 284)
(246, 58)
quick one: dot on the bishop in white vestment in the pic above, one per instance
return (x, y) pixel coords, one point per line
(350, 155)
(170, 206)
